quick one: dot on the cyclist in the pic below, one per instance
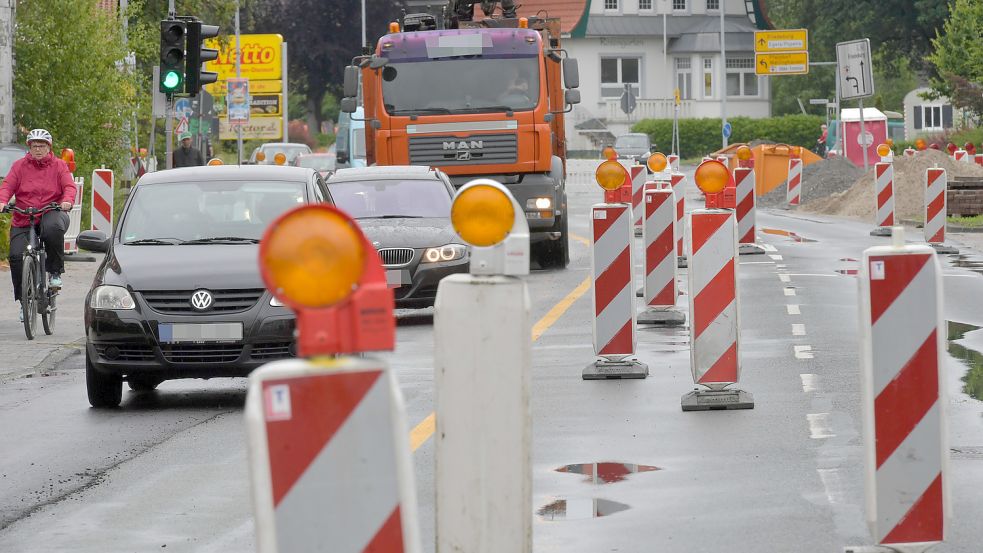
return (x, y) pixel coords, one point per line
(38, 179)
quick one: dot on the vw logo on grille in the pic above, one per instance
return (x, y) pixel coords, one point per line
(201, 300)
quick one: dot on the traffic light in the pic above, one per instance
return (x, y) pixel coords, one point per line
(197, 33)
(172, 37)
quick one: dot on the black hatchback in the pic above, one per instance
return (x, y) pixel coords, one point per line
(179, 294)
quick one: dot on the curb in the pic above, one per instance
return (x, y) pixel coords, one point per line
(50, 361)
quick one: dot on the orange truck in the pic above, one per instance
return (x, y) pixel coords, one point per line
(477, 99)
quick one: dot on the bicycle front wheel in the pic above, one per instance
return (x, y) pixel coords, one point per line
(29, 296)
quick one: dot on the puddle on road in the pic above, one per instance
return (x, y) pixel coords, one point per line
(970, 357)
(964, 262)
(789, 234)
(606, 472)
(580, 509)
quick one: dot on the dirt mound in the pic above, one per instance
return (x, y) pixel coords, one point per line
(819, 180)
(909, 177)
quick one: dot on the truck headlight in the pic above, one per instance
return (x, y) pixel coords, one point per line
(539, 203)
(111, 297)
(450, 252)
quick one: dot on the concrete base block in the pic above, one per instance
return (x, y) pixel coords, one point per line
(943, 249)
(682, 262)
(665, 316)
(881, 231)
(715, 400)
(608, 370)
(750, 249)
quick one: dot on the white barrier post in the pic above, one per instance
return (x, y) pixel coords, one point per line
(936, 210)
(905, 447)
(639, 175)
(884, 198)
(482, 356)
(75, 219)
(102, 200)
(659, 239)
(793, 193)
(744, 180)
(960, 155)
(673, 163)
(676, 180)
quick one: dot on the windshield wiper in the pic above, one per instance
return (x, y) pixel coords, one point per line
(152, 242)
(506, 109)
(214, 239)
(420, 111)
(392, 217)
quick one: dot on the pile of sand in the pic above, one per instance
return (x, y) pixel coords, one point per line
(819, 180)
(909, 182)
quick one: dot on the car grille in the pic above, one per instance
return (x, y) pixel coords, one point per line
(395, 257)
(480, 149)
(201, 353)
(273, 350)
(178, 302)
(125, 352)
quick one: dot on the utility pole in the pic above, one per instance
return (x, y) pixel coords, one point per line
(238, 76)
(7, 70)
(169, 111)
(723, 77)
(364, 41)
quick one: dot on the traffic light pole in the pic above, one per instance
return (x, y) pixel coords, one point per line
(238, 76)
(169, 131)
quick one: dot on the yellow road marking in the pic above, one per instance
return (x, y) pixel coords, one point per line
(423, 431)
(580, 239)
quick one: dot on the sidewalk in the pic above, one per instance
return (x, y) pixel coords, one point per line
(18, 356)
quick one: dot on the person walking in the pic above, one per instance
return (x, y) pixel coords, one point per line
(187, 155)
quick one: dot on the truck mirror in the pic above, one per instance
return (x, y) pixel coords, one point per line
(571, 74)
(350, 86)
(572, 96)
(349, 104)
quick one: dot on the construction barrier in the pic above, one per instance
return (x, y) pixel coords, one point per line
(623, 194)
(909, 152)
(884, 198)
(638, 175)
(936, 210)
(675, 180)
(906, 454)
(659, 238)
(102, 200)
(75, 219)
(673, 163)
(978, 158)
(961, 155)
(744, 180)
(793, 193)
(612, 296)
(713, 306)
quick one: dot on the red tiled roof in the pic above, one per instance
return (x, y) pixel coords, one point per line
(569, 11)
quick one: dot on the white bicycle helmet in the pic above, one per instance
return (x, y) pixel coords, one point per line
(39, 134)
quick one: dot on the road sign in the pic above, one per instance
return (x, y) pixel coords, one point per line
(854, 69)
(182, 126)
(628, 102)
(785, 40)
(794, 63)
(819, 101)
(727, 130)
(182, 108)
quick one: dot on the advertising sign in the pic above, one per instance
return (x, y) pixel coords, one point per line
(237, 101)
(265, 128)
(260, 57)
(218, 88)
(259, 104)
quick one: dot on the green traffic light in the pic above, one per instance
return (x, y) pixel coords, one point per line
(172, 80)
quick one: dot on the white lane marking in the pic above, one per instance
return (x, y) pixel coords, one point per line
(569, 346)
(959, 275)
(789, 291)
(813, 275)
(757, 262)
(769, 248)
(793, 309)
(819, 427)
(781, 266)
(784, 278)
(775, 257)
(810, 382)
(798, 329)
(803, 352)
(835, 488)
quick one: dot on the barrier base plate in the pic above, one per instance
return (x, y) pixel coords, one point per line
(609, 370)
(750, 249)
(682, 262)
(881, 231)
(714, 400)
(943, 249)
(901, 548)
(666, 316)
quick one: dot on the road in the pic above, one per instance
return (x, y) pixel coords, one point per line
(169, 468)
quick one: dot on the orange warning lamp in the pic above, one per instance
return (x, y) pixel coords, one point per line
(280, 158)
(393, 27)
(316, 261)
(889, 142)
(883, 150)
(482, 215)
(610, 175)
(215, 161)
(68, 156)
(609, 153)
(712, 177)
(920, 144)
(523, 23)
(744, 153)
(951, 148)
(260, 156)
(970, 148)
(657, 162)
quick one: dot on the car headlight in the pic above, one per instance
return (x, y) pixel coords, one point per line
(450, 252)
(275, 302)
(111, 297)
(539, 203)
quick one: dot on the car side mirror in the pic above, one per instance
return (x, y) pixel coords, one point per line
(350, 86)
(571, 73)
(572, 96)
(93, 241)
(348, 105)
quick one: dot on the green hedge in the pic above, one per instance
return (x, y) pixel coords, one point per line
(698, 137)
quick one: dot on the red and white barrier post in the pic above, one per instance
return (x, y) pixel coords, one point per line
(676, 180)
(713, 301)
(936, 210)
(639, 176)
(483, 376)
(102, 200)
(75, 219)
(659, 238)
(909, 152)
(612, 294)
(673, 162)
(746, 211)
(884, 198)
(794, 191)
(960, 155)
(978, 158)
(328, 443)
(905, 450)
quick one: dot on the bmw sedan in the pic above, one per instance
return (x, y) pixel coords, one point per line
(405, 212)
(179, 293)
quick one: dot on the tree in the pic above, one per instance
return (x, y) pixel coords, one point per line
(957, 55)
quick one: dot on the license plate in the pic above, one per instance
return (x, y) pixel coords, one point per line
(398, 277)
(213, 332)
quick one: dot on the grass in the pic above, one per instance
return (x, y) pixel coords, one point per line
(975, 221)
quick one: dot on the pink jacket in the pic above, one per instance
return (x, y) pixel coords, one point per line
(37, 183)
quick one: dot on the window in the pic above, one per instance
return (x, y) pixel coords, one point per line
(679, 5)
(684, 78)
(610, 4)
(933, 118)
(741, 80)
(708, 77)
(644, 5)
(616, 73)
(713, 5)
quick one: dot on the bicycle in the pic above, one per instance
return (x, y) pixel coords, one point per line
(36, 297)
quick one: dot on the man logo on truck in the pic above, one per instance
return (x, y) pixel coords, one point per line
(464, 145)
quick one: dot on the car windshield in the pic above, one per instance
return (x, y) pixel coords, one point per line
(290, 151)
(461, 85)
(392, 198)
(636, 142)
(318, 163)
(7, 158)
(184, 211)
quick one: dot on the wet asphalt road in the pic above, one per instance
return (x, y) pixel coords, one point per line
(169, 468)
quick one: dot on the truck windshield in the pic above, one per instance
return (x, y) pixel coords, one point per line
(461, 85)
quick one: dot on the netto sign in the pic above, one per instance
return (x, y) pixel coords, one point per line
(261, 59)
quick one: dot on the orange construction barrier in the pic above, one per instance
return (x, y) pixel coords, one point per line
(770, 163)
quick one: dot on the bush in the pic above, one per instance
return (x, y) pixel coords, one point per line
(698, 137)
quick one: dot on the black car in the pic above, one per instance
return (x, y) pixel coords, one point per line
(179, 294)
(405, 212)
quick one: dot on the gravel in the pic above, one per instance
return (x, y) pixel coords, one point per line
(819, 180)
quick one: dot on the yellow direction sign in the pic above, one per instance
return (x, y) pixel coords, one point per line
(795, 63)
(786, 40)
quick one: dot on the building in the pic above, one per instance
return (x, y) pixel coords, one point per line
(654, 47)
(927, 117)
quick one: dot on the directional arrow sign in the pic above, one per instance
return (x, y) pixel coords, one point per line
(854, 69)
(793, 63)
(786, 40)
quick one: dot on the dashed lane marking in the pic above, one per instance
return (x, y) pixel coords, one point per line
(798, 329)
(810, 382)
(769, 248)
(580, 239)
(775, 257)
(789, 291)
(819, 426)
(803, 352)
(784, 278)
(793, 309)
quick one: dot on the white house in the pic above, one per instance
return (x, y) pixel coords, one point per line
(924, 117)
(654, 47)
